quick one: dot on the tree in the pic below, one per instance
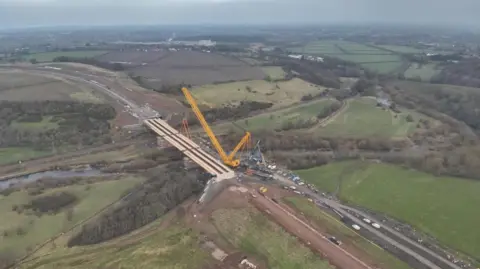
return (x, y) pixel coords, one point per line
(409, 118)
(70, 214)
(33, 61)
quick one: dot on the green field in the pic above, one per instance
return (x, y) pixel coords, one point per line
(39, 229)
(346, 235)
(383, 67)
(252, 232)
(174, 247)
(443, 207)
(374, 59)
(44, 125)
(424, 72)
(363, 118)
(13, 155)
(49, 56)
(274, 72)
(277, 119)
(281, 94)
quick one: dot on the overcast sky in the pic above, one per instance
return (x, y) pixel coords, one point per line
(19, 13)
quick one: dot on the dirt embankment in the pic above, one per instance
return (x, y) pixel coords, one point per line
(312, 238)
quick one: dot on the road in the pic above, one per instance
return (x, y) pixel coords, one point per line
(139, 112)
(434, 261)
(311, 237)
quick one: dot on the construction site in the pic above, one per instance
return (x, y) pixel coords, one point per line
(245, 212)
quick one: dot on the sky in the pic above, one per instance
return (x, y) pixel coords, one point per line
(21, 13)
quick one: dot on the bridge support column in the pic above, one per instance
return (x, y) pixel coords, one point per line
(163, 144)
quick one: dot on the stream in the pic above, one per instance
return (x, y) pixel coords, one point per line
(87, 172)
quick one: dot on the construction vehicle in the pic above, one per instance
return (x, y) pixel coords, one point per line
(229, 160)
(262, 190)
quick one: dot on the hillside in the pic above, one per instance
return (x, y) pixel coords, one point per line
(437, 206)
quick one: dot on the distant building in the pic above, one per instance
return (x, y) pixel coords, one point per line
(314, 58)
(296, 56)
(383, 102)
(207, 43)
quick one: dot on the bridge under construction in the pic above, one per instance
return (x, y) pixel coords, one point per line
(193, 151)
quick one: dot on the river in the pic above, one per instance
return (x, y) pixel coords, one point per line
(88, 172)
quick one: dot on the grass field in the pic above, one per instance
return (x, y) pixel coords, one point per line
(375, 59)
(425, 72)
(440, 206)
(39, 229)
(274, 72)
(287, 92)
(25, 87)
(342, 232)
(44, 125)
(277, 119)
(363, 118)
(173, 247)
(384, 68)
(13, 155)
(49, 56)
(252, 232)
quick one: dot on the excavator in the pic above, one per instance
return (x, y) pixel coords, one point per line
(230, 159)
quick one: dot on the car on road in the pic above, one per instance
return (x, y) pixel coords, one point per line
(356, 227)
(376, 225)
(367, 220)
(335, 240)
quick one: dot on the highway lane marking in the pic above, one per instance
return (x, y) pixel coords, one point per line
(344, 225)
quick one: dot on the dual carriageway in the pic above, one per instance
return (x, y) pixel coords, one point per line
(215, 167)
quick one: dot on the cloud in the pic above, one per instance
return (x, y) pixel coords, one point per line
(91, 12)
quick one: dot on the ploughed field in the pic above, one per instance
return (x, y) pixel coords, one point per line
(161, 67)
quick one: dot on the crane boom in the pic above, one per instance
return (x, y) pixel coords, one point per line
(228, 160)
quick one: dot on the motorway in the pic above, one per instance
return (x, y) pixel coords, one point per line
(428, 258)
(421, 254)
(97, 82)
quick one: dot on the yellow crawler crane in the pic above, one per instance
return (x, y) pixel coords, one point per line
(230, 159)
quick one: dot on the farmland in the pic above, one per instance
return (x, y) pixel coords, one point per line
(424, 72)
(375, 59)
(417, 198)
(278, 119)
(281, 94)
(343, 233)
(362, 118)
(36, 229)
(159, 68)
(49, 56)
(15, 154)
(174, 247)
(25, 87)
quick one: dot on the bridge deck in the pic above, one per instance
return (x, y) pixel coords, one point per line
(190, 149)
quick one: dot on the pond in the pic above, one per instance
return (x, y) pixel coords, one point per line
(88, 172)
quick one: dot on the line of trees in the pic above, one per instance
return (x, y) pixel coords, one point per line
(90, 61)
(166, 188)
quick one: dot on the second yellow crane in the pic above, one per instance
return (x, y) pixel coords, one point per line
(229, 159)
